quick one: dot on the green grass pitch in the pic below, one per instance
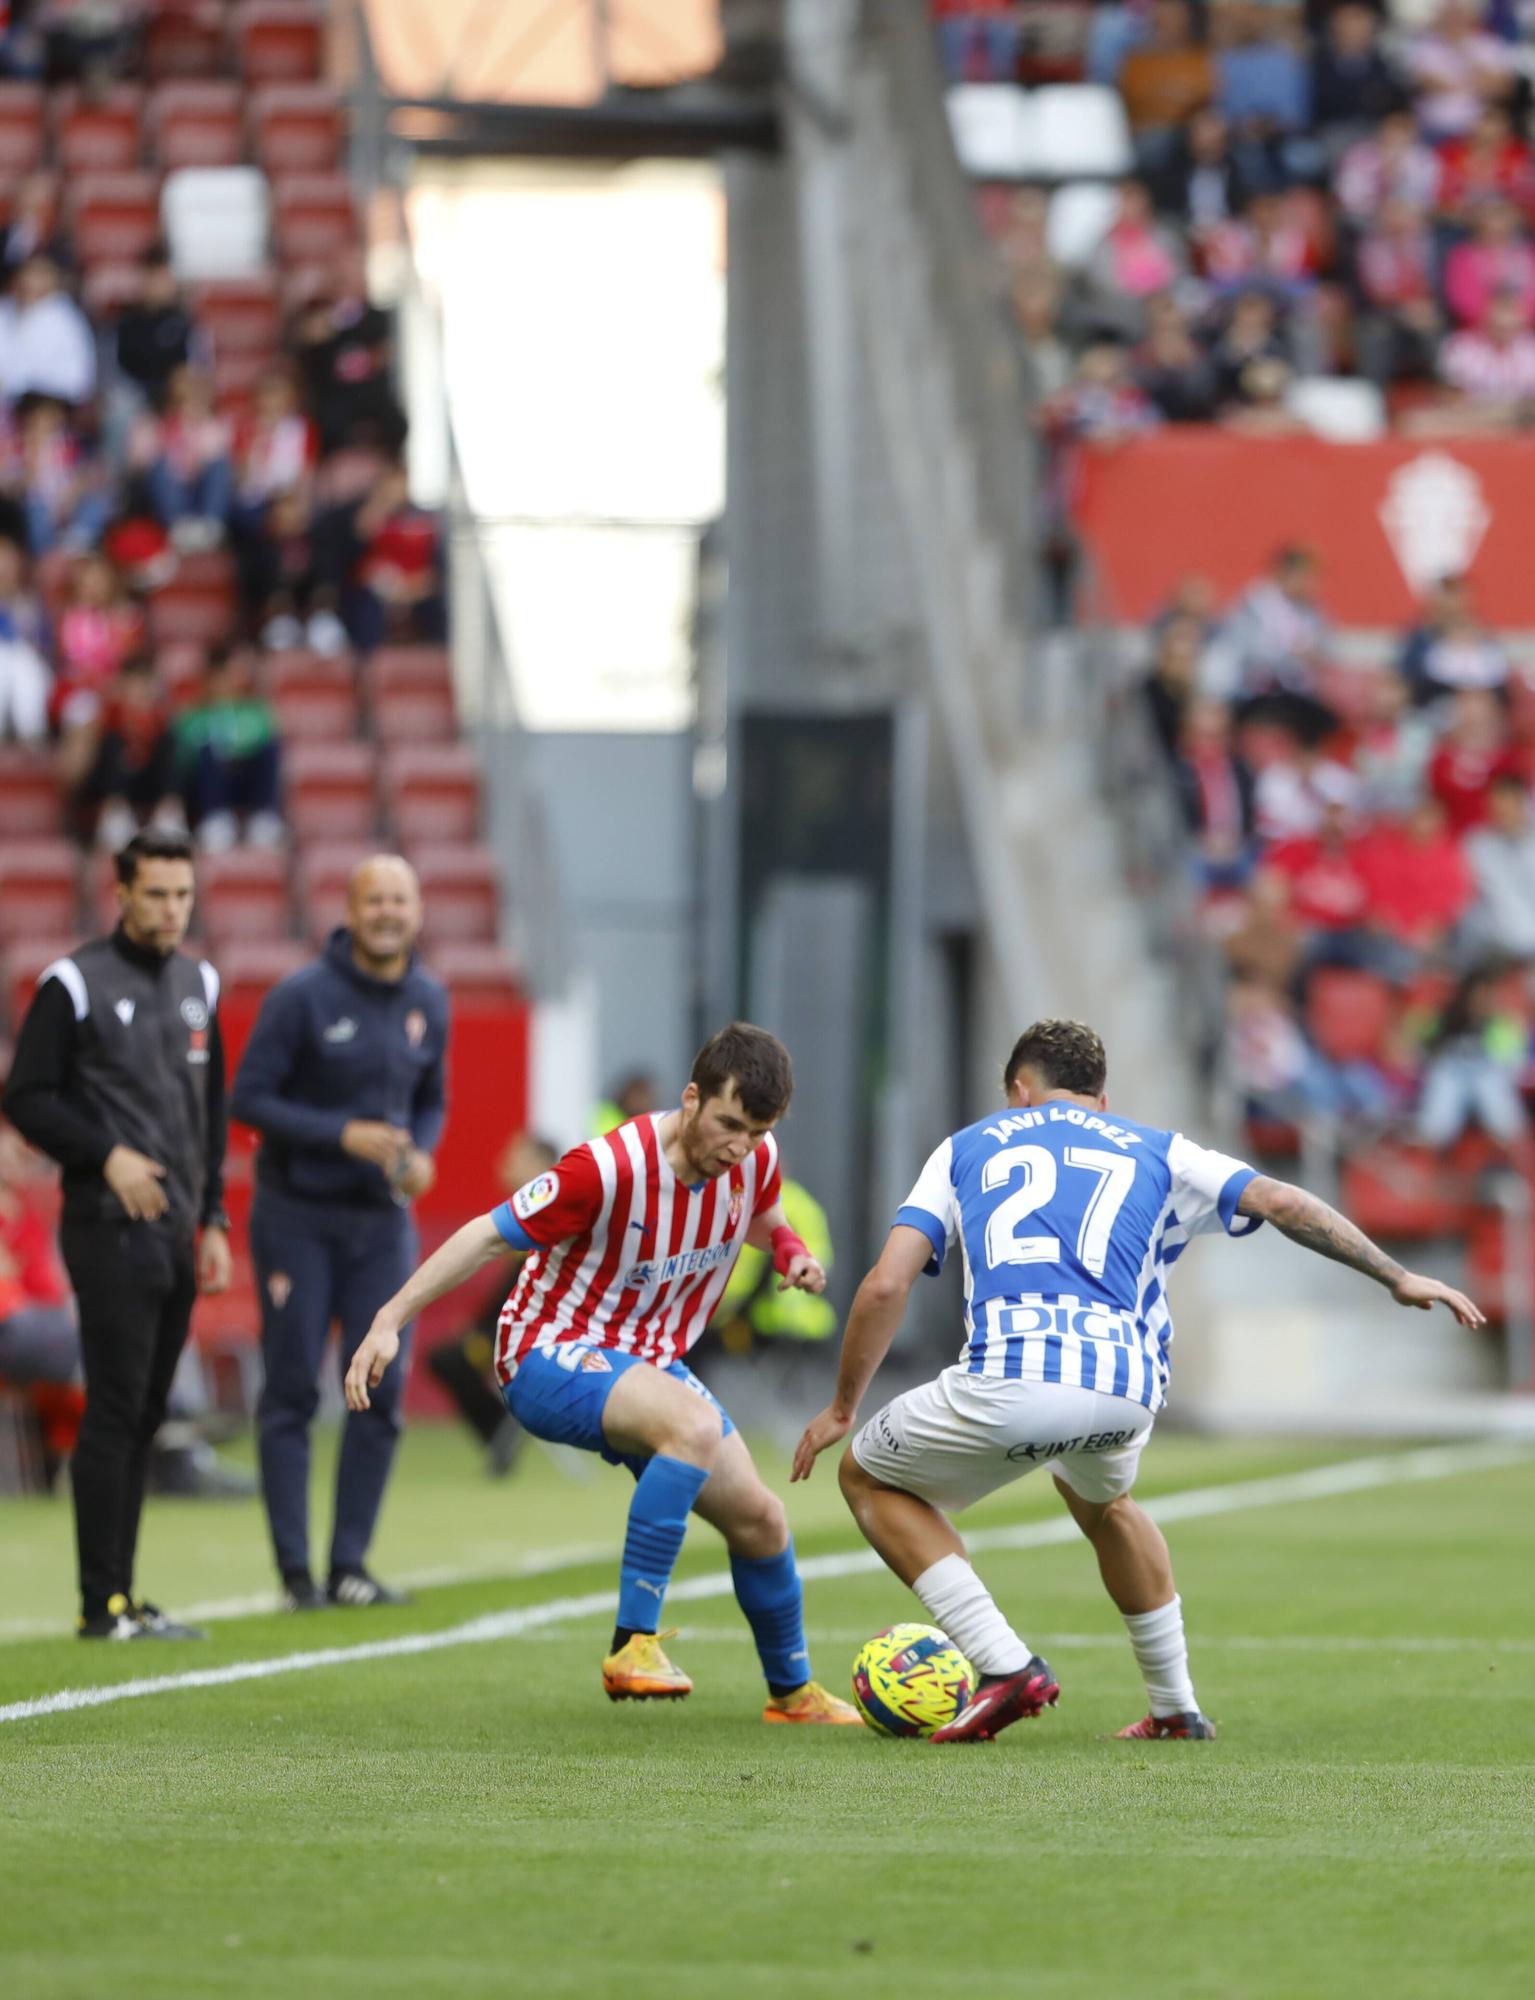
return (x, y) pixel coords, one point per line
(479, 1820)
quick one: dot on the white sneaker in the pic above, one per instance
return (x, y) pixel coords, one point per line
(218, 833)
(282, 634)
(265, 829)
(327, 634)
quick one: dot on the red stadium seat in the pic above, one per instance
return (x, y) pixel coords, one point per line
(250, 967)
(329, 790)
(243, 895)
(21, 128)
(279, 41)
(410, 689)
(240, 315)
(324, 869)
(39, 888)
(183, 38)
(1348, 1013)
(107, 289)
(1402, 1192)
(296, 128)
(180, 666)
(197, 125)
(433, 792)
(100, 891)
(314, 218)
(114, 218)
(235, 375)
(315, 698)
(25, 961)
(477, 973)
(99, 132)
(409, 667)
(30, 798)
(460, 892)
(193, 609)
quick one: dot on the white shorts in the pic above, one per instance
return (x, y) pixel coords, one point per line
(955, 1440)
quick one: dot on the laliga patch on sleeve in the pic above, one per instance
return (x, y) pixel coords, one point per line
(527, 1201)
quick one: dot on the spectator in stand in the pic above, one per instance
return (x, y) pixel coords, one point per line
(1173, 682)
(130, 780)
(1463, 655)
(1261, 406)
(1473, 751)
(1276, 641)
(1037, 304)
(38, 1338)
(293, 572)
(1330, 896)
(275, 448)
(1497, 262)
(1203, 185)
(1268, 248)
(1264, 84)
(46, 344)
(1397, 334)
(152, 337)
(1280, 1075)
(1456, 68)
(1501, 856)
(99, 628)
(1391, 164)
(1419, 882)
(1103, 403)
(1489, 164)
(228, 760)
(1353, 86)
(1251, 334)
(33, 230)
(1393, 745)
(1295, 785)
(1265, 944)
(1474, 1059)
(1447, 603)
(1491, 371)
(344, 352)
(397, 582)
(61, 486)
(1166, 81)
(1137, 259)
(26, 679)
(184, 456)
(1215, 791)
(1172, 369)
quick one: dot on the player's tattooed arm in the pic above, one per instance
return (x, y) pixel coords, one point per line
(1313, 1223)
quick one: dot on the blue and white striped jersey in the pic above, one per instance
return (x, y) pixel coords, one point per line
(1068, 1221)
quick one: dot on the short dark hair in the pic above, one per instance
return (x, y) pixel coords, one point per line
(154, 843)
(756, 1062)
(1066, 1055)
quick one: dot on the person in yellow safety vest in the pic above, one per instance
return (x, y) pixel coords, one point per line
(632, 1097)
(752, 1305)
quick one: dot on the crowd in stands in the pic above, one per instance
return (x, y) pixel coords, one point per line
(1365, 847)
(1318, 191)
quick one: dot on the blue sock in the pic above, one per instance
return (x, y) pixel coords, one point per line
(658, 1520)
(768, 1591)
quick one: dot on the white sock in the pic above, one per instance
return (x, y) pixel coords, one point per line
(1162, 1654)
(961, 1605)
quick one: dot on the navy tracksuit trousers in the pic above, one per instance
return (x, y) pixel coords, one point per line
(317, 1262)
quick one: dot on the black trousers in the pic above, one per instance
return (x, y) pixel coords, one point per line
(135, 1283)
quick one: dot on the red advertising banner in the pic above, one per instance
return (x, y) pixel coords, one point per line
(1387, 518)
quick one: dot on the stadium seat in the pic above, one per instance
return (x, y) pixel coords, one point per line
(24, 961)
(410, 692)
(30, 799)
(39, 888)
(1345, 412)
(321, 875)
(1402, 1192)
(1487, 1265)
(314, 218)
(278, 41)
(98, 132)
(197, 125)
(183, 38)
(460, 893)
(235, 375)
(1348, 1013)
(216, 221)
(239, 315)
(21, 128)
(243, 895)
(329, 790)
(315, 698)
(433, 792)
(180, 666)
(1076, 131)
(100, 880)
(196, 611)
(1080, 216)
(988, 122)
(250, 967)
(476, 973)
(107, 288)
(296, 128)
(114, 218)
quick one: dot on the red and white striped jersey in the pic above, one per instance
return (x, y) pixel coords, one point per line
(625, 1255)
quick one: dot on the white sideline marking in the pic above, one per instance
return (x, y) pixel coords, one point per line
(1202, 1642)
(1322, 1482)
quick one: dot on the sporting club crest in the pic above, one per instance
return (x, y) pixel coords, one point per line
(737, 1203)
(1435, 515)
(415, 1027)
(279, 1289)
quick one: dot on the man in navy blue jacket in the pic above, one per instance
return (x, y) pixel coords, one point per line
(344, 1080)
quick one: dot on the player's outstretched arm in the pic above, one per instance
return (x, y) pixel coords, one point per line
(476, 1244)
(1306, 1219)
(871, 1326)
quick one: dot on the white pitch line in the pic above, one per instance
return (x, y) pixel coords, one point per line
(1322, 1482)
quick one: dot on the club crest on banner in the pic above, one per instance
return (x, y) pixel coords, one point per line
(1435, 515)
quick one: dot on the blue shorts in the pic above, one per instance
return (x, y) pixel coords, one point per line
(560, 1393)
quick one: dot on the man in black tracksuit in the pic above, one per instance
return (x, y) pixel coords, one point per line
(344, 1079)
(119, 1076)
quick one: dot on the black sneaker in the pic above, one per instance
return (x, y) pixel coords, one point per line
(1188, 1727)
(154, 1624)
(354, 1587)
(116, 1622)
(300, 1592)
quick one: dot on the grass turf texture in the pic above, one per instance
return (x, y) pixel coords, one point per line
(482, 1821)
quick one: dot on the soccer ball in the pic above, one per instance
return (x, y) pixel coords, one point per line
(910, 1680)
